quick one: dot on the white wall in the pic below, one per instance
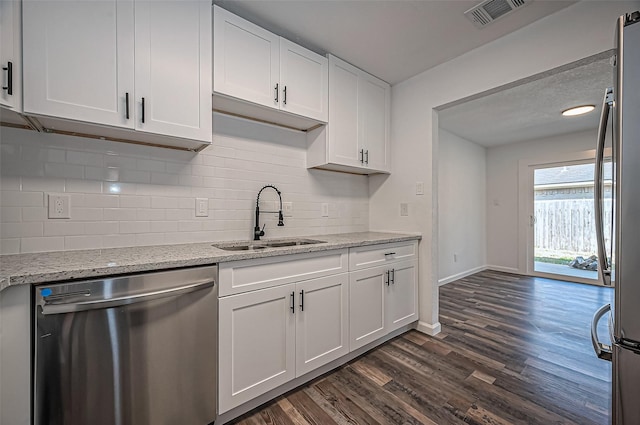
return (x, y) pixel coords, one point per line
(461, 207)
(504, 248)
(128, 195)
(571, 34)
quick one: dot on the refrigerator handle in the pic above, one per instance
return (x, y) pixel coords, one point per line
(603, 263)
(603, 351)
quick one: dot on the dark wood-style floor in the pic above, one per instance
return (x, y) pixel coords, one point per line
(513, 349)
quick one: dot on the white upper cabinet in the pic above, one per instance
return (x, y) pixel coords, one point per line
(246, 62)
(78, 60)
(374, 99)
(10, 58)
(173, 68)
(303, 77)
(356, 139)
(343, 114)
(254, 67)
(95, 61)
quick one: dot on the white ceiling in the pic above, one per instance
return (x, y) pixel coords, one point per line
(391, 39)
(532, 110)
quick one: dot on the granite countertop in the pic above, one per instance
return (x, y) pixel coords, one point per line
(47, 267)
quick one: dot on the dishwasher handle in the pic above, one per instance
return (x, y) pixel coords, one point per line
(126, 300)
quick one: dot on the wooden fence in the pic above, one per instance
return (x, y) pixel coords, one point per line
(569, 225)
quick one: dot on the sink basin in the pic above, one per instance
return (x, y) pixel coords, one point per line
(248, 246)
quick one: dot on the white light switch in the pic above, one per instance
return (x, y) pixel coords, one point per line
(59, 206)
(325, 210)
(404, 210)
(202, 207)
(287, 209)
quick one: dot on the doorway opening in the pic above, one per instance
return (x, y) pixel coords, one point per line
(563, 220)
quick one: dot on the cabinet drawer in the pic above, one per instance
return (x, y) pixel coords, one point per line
(378, 255)
(248, 275)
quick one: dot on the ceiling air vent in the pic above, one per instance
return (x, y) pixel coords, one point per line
(490, 10)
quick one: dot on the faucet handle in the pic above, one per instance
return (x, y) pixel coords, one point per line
(262, 231)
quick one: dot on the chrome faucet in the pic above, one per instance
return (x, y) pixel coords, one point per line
(257, 232)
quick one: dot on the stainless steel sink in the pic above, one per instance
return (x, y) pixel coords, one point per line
(248, 246)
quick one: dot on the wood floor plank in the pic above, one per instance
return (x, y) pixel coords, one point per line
(513, 350)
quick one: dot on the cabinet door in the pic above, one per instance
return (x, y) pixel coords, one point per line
(322, 322)
(257, 344)
(246, 60)
(366, 306)
(401, 297)
(78, 59)
(343, 113)
(10, 61)
(173, 68)
(303, 81)
(373, 117)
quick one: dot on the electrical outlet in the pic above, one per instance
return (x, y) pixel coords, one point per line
(419, 188)
(404, 209)
(59, 206)
(202, 207)
(325, 209)
(287, 209)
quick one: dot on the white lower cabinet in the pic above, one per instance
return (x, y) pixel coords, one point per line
(283, 317)
(401, 296)
(257, 344)
(382, 298)
(366, 306)
(271, 336)
(322, 321)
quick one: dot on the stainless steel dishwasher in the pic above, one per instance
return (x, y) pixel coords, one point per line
(131, 350)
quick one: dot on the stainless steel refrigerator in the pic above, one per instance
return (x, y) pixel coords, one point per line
(620, 265)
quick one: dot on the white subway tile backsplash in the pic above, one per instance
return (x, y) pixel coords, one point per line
(133, 201)
(102, 201)
(101, 227)
(149, 214)
(118, 241)
(86, 214)
(69, 171)
(9, 246)
(134, 227)
(42, 244)
(63, 228)
(10, 214)
(21, 199)
(72, 243)
(119, 214)
(20, 230)
(83, 186)
(127, 195)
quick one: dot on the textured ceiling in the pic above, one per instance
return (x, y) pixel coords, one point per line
(391, 39)
(532, 110)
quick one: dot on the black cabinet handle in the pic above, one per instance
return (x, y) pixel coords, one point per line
(143, 110)
(9, 86)
(362, 156)
(389, 253)
(366, 161)
(284, 92)
(393, 276)
(126, 105)
(277, 93)
(386, 277)
(292, 304)
(302, 300)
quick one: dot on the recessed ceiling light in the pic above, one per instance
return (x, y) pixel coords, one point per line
(578, 110)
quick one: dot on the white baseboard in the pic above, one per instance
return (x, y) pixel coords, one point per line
(460, 275)
(428, 328)
(505, 269)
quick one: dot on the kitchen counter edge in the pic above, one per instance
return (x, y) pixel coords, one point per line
(59, 266)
